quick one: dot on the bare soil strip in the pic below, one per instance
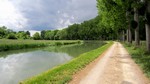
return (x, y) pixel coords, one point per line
(114, 66)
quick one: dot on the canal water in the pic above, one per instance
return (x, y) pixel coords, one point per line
(18, 65)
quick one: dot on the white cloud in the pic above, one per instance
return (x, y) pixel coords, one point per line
(65, 15)
(72, 17)
(68, 22)
(10, 16)
(45, 14)
(58, 12)
(61, 21)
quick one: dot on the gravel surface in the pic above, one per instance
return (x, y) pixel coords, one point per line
(114, 66)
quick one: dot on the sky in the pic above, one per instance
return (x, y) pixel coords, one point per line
(37, 15)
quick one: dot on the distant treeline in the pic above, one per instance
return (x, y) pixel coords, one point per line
(10, 34)
(88, 30)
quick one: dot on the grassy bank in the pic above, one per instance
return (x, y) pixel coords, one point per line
(63, 73)
(6, 45)
(141, 57)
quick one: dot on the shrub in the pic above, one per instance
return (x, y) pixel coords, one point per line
(36, 36)
(11, 36)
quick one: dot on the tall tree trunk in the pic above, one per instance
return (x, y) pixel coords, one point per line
(127, 36)
(130, 34)
(136, 18)
(129, 28)
(147, 26)
(123, 36)
(147, 37)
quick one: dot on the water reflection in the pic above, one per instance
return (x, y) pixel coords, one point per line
(76, 49)
(17, 67)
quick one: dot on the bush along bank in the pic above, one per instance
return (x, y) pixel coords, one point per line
(63, 74)
(140, 56)
(32, 44)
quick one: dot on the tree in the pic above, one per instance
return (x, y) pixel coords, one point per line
(61, 34)
(87, 30)
(43, 34)
(3, 32)
(51, 35)
(11, 36)
(55, 32)
(47, 35)
(119, 14)
(28, 34)
(23, 35)
(36, 36)
(136, 6)
(113, 15)
(147, 24)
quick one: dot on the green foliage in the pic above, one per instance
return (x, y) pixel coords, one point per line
(23, 35)
(11, 36)
(61, 34)
(58, 43)
(49, 35)
(118, 14)
(28, 33)
(36, 36)
(113, 15)
(43, 34)
(87, 30)
(4, 32)
(6, 45)
(63, 74)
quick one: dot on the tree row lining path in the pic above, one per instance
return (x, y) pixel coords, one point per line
(114, 66)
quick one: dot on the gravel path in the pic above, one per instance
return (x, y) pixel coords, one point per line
(114, 66)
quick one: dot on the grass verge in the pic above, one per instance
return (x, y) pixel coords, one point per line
(140, 56)
(63, 74)
(6, 45)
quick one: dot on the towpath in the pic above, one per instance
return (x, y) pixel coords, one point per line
(114, 66)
